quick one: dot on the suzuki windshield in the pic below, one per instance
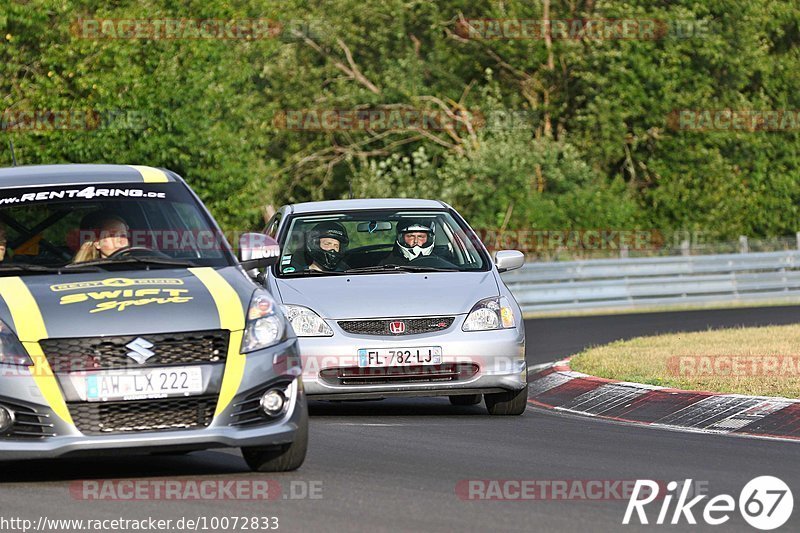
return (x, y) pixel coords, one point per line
(114, 227)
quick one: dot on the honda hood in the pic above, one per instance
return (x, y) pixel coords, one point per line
(399, 294)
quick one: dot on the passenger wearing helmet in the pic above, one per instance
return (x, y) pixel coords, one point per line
(325, 246)
(414, 245)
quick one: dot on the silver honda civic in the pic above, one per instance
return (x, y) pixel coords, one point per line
(398, 298)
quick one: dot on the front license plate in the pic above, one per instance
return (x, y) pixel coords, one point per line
(381, 357)
(150, 383)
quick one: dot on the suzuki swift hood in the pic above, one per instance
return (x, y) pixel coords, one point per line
(399, 294)
(119, 303)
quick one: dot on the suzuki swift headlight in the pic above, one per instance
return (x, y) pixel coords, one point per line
(11, 350)
(305, 322)
(265, 326)
(488, 314)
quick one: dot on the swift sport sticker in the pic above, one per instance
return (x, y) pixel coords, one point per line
(119, 297)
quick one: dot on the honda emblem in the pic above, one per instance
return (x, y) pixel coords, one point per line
(397, 327)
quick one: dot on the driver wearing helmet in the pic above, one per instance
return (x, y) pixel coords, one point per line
(325, 246)
(414, 245)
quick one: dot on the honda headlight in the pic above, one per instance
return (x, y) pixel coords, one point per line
(11, 350)
(488, 314)
(305, 322)
(265, 326)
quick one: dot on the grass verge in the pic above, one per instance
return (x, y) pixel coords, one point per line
(755, 361)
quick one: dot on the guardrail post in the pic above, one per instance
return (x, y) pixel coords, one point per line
(797, 236)
(686, 250)
(743, 245)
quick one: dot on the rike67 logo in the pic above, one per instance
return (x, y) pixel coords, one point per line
(765, 503)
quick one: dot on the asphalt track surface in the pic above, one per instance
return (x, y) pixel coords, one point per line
(394, 465)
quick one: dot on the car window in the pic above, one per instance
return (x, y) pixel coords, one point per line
(373, 239)
(48, 226)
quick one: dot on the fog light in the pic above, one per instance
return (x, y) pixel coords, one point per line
(272, 402)
(6, 419)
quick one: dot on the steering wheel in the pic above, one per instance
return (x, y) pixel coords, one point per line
(137, 251)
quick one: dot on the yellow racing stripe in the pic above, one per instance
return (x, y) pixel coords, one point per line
(231, 317)
(47, 382)
(30, 328)
(150, 174)
(25, 311)
(234, 372)
(229, 306)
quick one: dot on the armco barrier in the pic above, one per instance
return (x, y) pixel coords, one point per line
(621, 283)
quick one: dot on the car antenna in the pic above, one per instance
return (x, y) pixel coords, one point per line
(11, 147)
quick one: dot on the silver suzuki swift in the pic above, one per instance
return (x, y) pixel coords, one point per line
(398, 298)
(128, 325)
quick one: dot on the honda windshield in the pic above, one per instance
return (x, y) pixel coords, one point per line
(385, 241)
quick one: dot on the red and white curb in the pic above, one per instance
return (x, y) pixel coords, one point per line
(558, 387)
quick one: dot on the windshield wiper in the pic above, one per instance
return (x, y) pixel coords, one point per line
(297, 274)
(399, 268)
(26, 268)
(146, 261)
(376, 268)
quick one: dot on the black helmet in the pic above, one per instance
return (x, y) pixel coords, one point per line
(415, 226)
(328, 259)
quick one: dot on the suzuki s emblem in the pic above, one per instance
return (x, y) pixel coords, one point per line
(141, 350)
(397, 327)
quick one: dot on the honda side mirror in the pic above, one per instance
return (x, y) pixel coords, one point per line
(257, 251)
(508, 260)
